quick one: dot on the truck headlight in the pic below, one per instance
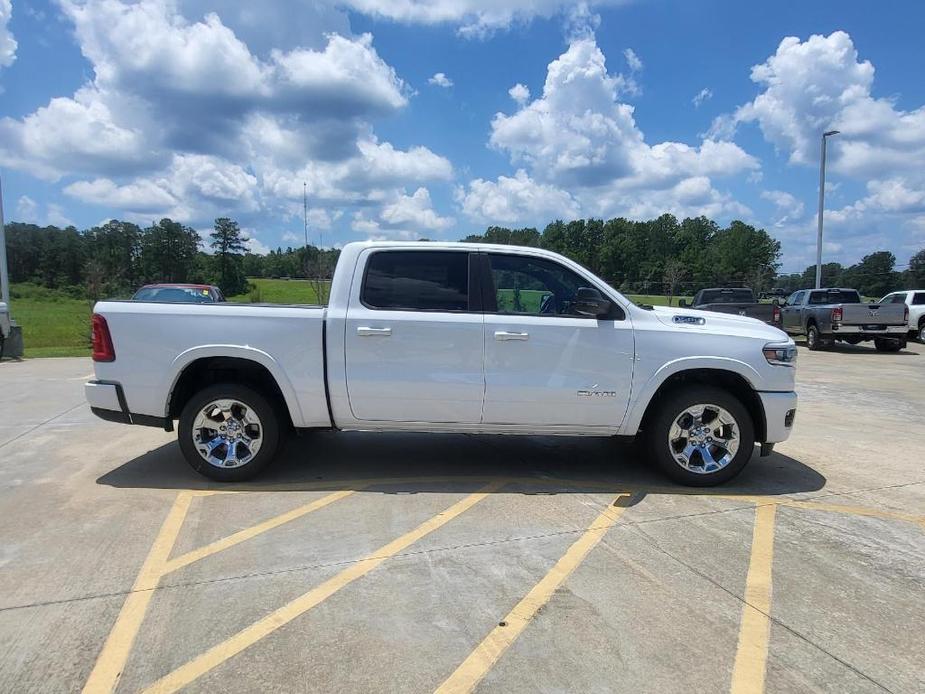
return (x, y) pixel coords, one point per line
(781, 353)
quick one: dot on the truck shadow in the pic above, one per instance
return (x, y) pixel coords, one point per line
(864, 349)
(433, 462)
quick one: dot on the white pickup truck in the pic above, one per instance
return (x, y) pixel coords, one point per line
(448, 337)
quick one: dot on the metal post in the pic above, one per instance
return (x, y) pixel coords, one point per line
(4, 276)
(821, 206)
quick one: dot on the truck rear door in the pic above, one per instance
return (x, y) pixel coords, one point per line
(414, 344)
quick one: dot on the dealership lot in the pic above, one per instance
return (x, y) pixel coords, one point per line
(414, 562)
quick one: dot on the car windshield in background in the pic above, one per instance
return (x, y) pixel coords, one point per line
(835, 296)
(174, 295)
(728, 296)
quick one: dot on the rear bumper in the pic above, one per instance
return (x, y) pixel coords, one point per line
(779, 413)
(887, 331)
(107, 401)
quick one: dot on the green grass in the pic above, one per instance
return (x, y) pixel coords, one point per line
(54, 324)
(279, 292)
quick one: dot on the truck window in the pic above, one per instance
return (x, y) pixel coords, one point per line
(727, 296)
(834, 296)
(918, 299)
(534, 286)
(417, 281)
(795, 299)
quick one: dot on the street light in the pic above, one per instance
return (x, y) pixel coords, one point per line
(826, 134)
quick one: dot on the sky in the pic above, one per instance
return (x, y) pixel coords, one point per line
(403, 119)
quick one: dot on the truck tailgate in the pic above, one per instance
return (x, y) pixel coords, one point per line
(873, 314)
(155, 342)
(763, 312)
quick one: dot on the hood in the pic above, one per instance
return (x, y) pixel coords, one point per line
(720, 323)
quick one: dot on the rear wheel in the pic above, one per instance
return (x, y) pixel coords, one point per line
(228, 432)
(813, 339)
(701, 436)
(888, 345)
(922, 331)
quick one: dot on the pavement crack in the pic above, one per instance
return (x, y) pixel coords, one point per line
(41, 424)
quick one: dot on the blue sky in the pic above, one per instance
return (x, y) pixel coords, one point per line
(438, 118)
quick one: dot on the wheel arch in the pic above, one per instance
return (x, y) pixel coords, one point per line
(721, 376)
(201, 367)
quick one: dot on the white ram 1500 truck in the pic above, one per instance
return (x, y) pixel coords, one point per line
(448, 337)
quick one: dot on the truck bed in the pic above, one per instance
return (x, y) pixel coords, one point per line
(155, 342)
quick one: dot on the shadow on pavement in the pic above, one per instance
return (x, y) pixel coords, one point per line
(336, 460)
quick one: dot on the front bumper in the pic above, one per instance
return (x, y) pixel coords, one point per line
(779, 413)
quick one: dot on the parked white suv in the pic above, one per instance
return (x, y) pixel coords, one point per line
(915, 300)
(450, 337)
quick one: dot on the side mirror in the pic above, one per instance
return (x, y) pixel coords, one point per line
(682, 303)
(776, 302)
(589, 302)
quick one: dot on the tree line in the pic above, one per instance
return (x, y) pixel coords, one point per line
(658, 256)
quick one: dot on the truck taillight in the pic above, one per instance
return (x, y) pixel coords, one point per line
(102, 340)
(837, 314)
(775, 314)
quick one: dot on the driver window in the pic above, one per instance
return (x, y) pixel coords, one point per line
(534, 286)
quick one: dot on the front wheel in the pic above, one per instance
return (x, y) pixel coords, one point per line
(701, 436)
(922, 332)
(228, 432)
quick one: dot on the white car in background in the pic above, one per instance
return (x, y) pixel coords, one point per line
(915, 300)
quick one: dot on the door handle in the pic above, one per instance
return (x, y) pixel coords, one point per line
(364, 331)
(503, 336)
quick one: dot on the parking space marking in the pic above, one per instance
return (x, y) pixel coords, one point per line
(499, 639)
(254, 531)
(748, 673)
(111, 660)
(248, 636)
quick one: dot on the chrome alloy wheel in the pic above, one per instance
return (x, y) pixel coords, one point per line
(227, 433)
(703, 438)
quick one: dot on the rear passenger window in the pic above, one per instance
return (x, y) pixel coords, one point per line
(918, 298)
(417, 281)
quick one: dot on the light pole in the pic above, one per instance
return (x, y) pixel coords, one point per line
(826, 134)
(4, 277)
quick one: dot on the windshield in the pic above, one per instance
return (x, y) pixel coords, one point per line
(173, 295)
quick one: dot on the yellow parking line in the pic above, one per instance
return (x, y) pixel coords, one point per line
(245, 638)
(499, 639)
(755, 629)
(111, 660)
(855, 510)
(253, 531)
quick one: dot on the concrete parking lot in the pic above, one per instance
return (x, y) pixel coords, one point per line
(415, 563)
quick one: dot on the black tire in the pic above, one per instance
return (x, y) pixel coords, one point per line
(921, 331)
(883, 345)
(813, 339)
(672, 406)
(269, 431)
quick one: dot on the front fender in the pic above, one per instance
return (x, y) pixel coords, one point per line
(644, 394)
(184, 359)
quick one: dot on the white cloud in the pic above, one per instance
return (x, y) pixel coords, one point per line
(474, 18)
(440, 80)
(704, 94)
(517, 199)
(519, 93)
(819, 84)
(788, 207)
(55, 216)
(26, 209)
(7, 42)
(633, 60)
(183, 117)
(414, 210)
(581, 141)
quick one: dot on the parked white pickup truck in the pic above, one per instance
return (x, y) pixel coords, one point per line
(448, 337)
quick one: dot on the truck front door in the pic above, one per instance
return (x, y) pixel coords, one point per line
(545, 364)
(791, 311)
(414, 343)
